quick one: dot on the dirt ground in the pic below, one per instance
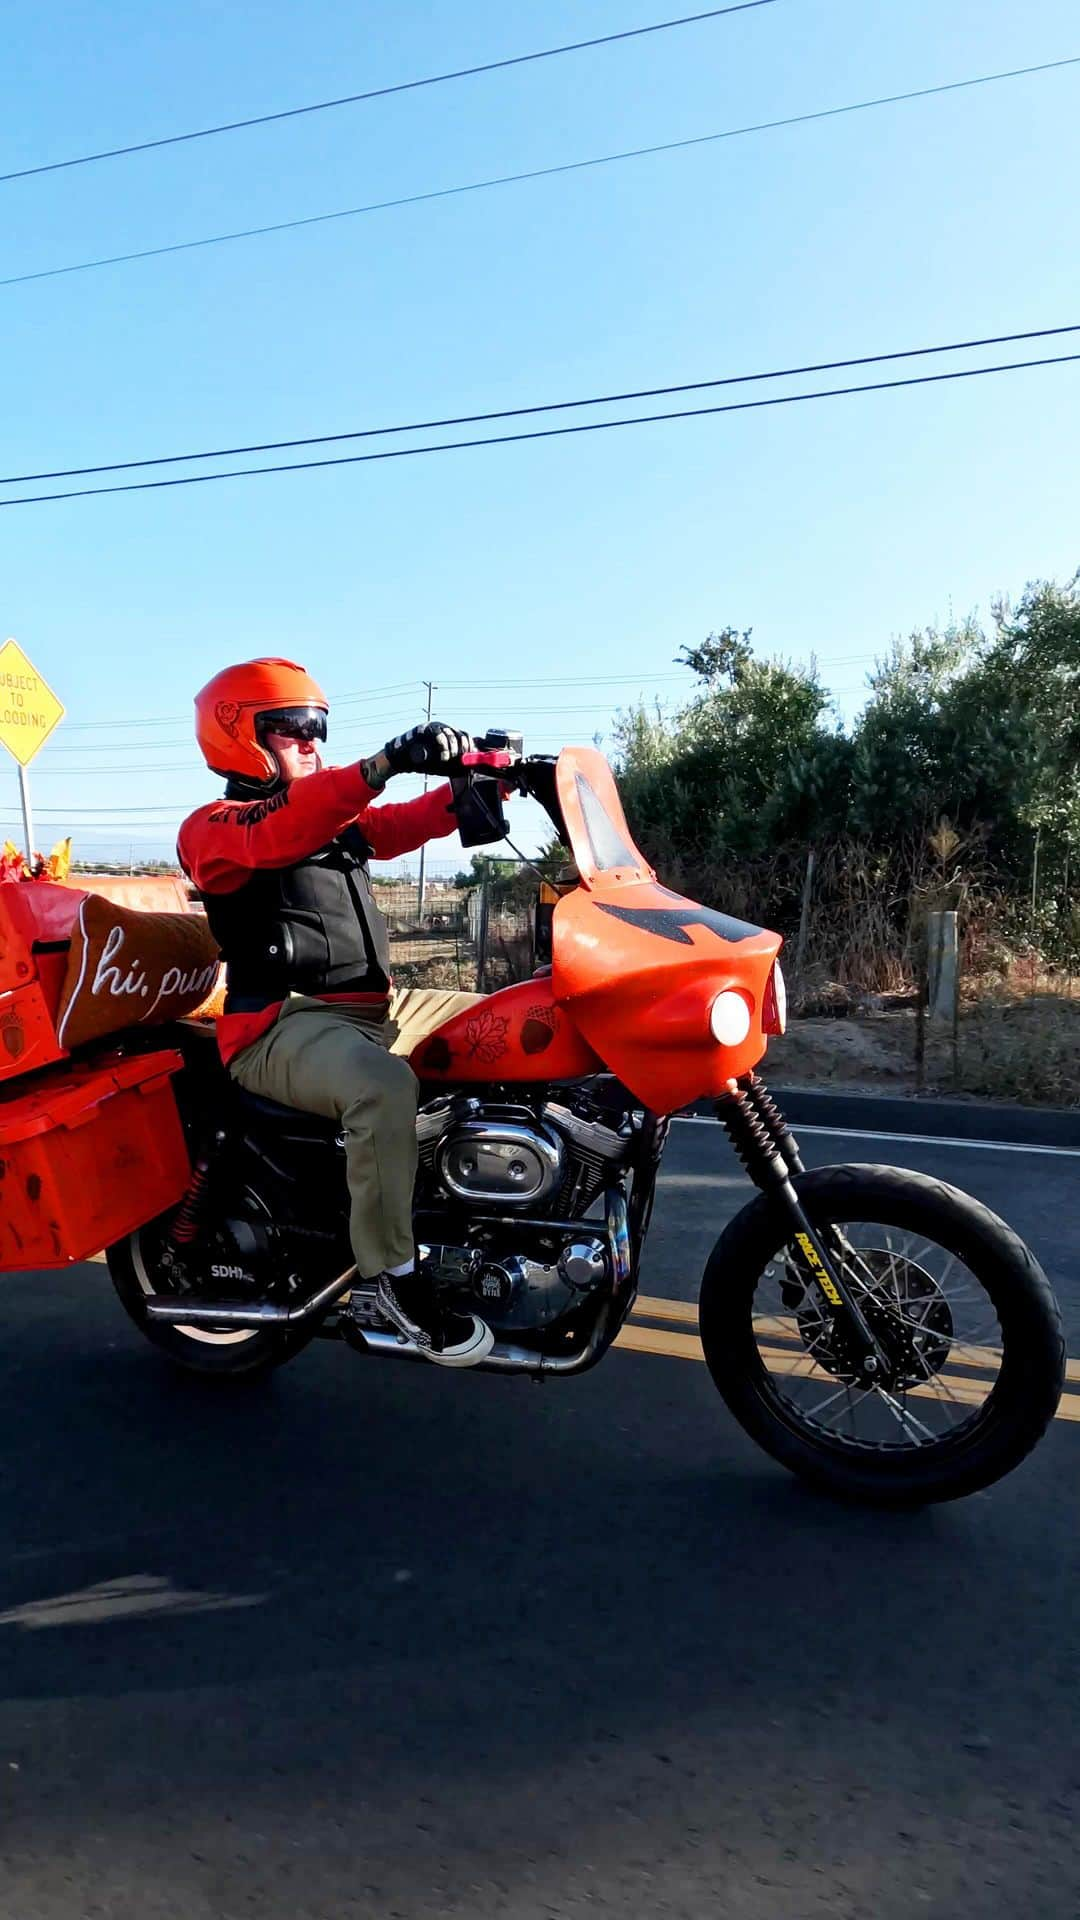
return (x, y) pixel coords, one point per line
(874, 1053)
(1022, 1050)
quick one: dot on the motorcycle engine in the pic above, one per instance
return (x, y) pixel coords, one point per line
(551, 1161)
(514, 1293)
(500, 1162)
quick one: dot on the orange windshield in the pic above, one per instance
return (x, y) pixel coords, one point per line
(640, 968)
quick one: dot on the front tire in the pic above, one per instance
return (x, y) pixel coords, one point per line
(934, 1263)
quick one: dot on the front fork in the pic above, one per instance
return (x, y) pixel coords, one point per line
(767, 1148)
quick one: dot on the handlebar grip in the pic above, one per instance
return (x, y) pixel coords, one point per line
(496, 759)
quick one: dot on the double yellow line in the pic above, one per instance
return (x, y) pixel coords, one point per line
(789, 1356)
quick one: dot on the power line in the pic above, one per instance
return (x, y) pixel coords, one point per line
(55, 767)
(108, 770)
(551, 406)
(180, 719)
(382, 93)
(534, 173)
(339, 700)
(543, 433)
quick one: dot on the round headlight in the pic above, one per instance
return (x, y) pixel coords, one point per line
(729, 1019)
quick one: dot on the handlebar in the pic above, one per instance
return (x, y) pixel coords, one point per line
(493, 752)
(497, 758)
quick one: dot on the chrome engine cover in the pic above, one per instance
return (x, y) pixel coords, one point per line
(500, 1162)
(514, 1293)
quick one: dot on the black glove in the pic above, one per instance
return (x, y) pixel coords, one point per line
(431, 748)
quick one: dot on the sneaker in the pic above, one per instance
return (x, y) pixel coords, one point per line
(449, 1339)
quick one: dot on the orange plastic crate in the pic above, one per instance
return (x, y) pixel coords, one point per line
(88, 1153)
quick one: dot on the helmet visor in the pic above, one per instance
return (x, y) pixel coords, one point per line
(295, 723)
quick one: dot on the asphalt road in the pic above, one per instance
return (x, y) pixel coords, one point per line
(382, 1641)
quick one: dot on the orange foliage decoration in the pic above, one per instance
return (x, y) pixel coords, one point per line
(15, 866)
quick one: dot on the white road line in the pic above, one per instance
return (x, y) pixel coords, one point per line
(907, 1139)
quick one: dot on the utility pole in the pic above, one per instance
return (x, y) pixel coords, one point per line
(430, 685)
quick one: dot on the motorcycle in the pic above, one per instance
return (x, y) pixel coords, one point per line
(879, 1333)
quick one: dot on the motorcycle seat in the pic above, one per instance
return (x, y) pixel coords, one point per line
(294, 1119)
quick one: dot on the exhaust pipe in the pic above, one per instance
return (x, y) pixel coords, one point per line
(501, 1359)
(165, 1310)
(222, 1314)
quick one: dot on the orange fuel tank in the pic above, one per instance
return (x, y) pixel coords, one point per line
(516, 1034)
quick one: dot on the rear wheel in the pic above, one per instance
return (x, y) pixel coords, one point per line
(146, 1263)
(963, 1313)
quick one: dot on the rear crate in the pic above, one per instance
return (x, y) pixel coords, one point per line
(88, 1153)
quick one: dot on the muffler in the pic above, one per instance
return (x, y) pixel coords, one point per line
(223, 1314)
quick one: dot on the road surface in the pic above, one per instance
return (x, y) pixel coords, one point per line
(382, 1641)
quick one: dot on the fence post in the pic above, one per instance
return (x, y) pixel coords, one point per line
(482, 928)
(919, 945)
(804, 915)
(943, 969)
(1034, 912)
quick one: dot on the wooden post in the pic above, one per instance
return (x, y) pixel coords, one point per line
(921, 994)
(804, 914)
(943, 977)
(1034, 911)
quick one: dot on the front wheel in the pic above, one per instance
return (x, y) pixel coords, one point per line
(961, 1309)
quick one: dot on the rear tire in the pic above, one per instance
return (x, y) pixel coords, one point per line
(987, 1442)
(234, 1354)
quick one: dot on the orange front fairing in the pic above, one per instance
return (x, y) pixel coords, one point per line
(638, 968)
(515, 1035)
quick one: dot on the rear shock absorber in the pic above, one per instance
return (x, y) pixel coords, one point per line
(192, 1208)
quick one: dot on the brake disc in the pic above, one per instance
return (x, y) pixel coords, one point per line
(903, 1304)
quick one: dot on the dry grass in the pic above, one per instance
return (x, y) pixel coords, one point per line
(1022, 1049)
(1008, 1049)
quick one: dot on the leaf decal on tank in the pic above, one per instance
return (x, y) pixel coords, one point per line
(485, 1034)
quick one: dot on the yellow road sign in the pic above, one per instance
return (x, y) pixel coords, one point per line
(29, 709)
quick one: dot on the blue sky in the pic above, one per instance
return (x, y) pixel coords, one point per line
(825, 528)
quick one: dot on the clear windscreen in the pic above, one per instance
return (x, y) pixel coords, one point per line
(600, 839)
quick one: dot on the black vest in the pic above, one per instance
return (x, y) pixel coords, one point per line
(312, 928)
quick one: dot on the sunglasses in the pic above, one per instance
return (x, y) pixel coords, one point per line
(294, 723)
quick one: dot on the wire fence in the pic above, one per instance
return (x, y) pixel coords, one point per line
(478, 937)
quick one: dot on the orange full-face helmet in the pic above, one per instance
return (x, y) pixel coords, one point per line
(235, 710)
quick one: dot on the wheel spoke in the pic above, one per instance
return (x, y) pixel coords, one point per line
(912, 1289)
(812, 1412)
(905, 1418)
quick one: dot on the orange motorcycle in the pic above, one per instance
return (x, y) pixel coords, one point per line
(876, 1331)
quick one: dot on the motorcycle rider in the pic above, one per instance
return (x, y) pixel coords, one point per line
(311, 1018)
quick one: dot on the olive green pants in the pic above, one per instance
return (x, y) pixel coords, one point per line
(339, 1062)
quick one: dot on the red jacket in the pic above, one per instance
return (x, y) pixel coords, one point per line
(221, 844)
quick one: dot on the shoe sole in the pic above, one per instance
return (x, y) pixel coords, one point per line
(469, 1353)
